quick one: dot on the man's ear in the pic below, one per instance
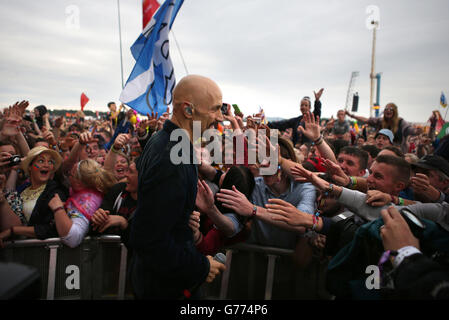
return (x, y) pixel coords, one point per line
(400, 186)
(187, 110)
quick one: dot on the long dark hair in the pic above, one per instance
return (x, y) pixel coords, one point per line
(242, 178)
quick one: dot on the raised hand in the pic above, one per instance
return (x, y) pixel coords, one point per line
(336, 172)
(312, 128)
(318, 94)
(204, 197)
(121, 140)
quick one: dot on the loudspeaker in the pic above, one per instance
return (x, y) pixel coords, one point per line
(355, 102)
(18, 281)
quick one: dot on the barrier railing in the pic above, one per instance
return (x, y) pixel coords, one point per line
(94, 270)
(97, 269)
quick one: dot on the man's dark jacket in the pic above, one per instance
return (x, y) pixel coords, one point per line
(165, 261)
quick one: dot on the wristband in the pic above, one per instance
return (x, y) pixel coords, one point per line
(316, 218)
(58, 208)
(404, 253)
(400, 201)
(329, 189)
(253, 214)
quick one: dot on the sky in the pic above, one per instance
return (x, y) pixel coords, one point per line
(261, 53)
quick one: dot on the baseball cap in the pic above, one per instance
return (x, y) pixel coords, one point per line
(387, 133)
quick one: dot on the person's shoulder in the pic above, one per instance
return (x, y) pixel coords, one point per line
(117, 188)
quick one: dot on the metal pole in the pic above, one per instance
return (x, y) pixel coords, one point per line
(120, 37)
(373, 63)
(180, 53)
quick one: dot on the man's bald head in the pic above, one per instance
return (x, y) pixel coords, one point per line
(197, 90)
(197, 98)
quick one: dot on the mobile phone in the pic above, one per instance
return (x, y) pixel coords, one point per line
(224, 108)
(14, 160)
(236, 109)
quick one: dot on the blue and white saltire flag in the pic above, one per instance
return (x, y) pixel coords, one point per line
(149, 87)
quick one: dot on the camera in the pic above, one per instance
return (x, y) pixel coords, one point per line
(14, 160)
(224, 108)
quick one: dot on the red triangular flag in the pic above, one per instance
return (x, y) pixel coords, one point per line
(149, 7)
(84, 100)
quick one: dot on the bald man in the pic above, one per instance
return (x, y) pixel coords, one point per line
(166, 264)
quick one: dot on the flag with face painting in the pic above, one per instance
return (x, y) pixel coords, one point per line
(149, 87)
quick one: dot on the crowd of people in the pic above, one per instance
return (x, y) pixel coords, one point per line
(352, 193)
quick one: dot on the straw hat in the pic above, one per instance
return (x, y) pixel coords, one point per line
(37, 151)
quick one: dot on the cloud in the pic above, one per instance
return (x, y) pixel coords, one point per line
(260, 52)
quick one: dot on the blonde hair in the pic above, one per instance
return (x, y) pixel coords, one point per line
(393, 123)
(92, 175)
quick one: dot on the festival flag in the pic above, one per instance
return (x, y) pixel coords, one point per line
(149, 7)
(84, 101)
(443, 100)
(149, 87)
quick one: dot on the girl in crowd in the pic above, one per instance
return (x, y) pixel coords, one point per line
(222, 226)
(391, 120)
(89, 182)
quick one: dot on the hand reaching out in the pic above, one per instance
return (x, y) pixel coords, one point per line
(395, 232)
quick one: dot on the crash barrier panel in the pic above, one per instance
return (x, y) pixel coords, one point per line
(97, 269)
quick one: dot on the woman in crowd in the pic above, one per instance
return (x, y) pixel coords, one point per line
(28, 213)
(391, 120)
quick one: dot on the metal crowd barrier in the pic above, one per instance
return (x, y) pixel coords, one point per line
(97, 269)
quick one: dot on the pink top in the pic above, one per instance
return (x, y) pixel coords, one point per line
(85, 201)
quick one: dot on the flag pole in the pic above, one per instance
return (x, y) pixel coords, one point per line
(120, 38)
(180, 53)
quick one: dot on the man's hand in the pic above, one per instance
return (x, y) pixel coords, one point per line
(286, 212)
(86, 137)
(420, 183)
(376, 198)
(194, 224)
(235, 200)
(114, 221)
(215, 269)
(121, 140)
(99, 218)
(395, 232)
